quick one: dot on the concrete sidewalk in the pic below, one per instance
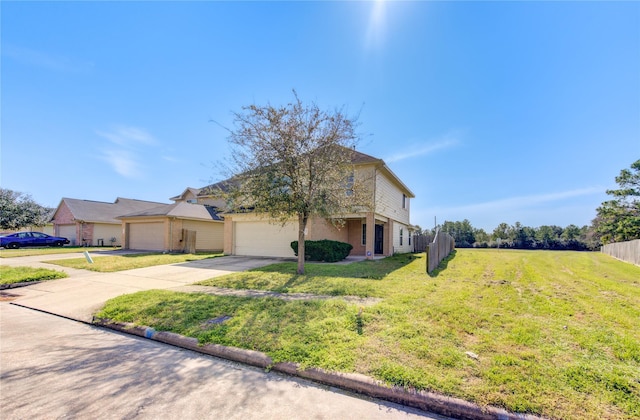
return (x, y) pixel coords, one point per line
(84, 292)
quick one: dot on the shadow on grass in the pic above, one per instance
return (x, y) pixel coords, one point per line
(368, 269)
(443, 264)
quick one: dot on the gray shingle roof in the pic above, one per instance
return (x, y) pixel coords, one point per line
(179, 210)
(101, 212)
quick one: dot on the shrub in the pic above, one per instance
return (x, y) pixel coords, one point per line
(324, 250)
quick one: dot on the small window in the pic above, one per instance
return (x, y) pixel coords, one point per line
(401, 236)
(404, 201)
(350, 185)
(409, 239)
(364, 234)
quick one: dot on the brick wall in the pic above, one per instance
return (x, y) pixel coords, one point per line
(86, 233)
(63, 216)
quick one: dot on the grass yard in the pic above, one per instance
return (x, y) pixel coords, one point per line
(11, 275)
(109, 264)
(29, 251)
(551, 333)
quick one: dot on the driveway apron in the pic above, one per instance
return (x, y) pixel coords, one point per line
(84, 292)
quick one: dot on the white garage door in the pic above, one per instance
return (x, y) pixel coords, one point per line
(209, 236)
(262, 239)
(146, 236)
(69, 232)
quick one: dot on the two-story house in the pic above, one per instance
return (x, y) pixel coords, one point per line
(383, 229)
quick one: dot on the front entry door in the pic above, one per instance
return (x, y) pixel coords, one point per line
(379, 240)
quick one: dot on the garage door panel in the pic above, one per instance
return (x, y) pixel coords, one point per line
(68, 231)
(209, 236)
(146, 236)
(264, 239)
(106, 232)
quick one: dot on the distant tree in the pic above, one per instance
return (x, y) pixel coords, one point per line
(19, 210)
(501, 234)
(481, 236)
(548, 237)
(571, 232)
(294, 161)
(462, 232)
(618, 219)
(524, 236)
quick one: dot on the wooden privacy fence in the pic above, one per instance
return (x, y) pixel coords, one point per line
(189, 241)
(439, 249)
(420, 242)
(626, 251)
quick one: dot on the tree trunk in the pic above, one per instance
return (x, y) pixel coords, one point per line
(302, 226)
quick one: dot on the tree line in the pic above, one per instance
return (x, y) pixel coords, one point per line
(518, 236)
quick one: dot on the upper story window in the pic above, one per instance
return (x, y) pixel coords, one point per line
(192, 201)
(404, 201)
(350, 180)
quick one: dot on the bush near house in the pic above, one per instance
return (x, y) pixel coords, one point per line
(324, 250)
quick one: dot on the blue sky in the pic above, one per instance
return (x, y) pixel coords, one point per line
(489, 111)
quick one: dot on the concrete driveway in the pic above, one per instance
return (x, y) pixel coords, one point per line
(84, 292)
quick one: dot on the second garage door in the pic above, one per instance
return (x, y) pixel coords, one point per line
(146, 236)
(209, 236)
(262, 239)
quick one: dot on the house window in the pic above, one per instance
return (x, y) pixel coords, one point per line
(404, 201)
(401, 235)
(350, 185)
(364, 234)
(192, 201)
(409, 238)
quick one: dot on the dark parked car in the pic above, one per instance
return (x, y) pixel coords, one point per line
(17, 240)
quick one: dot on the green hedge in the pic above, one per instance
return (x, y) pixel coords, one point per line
(324, 250)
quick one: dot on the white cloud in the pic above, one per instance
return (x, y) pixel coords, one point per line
(45, 60)
(129, 144)
(575, 206)
(126, 135)
(445, 142)
(525, 202)
(123, 162)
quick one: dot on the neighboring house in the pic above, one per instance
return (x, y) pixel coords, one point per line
(94, 223)
(48, 229)
(177, 227)
(384, 230)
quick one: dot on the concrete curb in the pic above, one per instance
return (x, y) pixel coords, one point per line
(22, 284)
(361, 384)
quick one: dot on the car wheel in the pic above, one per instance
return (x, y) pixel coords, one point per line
(58, 243)
(13, 245)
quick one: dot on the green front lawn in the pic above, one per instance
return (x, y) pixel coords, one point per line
(29, 251)
(11, 275)
(108, 264)
(556, 334)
